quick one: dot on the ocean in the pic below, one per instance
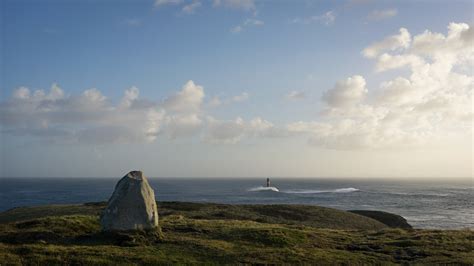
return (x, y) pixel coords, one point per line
(425, 204)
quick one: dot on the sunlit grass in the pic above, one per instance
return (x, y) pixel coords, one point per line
(77, 239)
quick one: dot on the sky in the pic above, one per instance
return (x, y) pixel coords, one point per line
(237, 88)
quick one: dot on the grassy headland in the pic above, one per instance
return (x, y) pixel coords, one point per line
(224, 234)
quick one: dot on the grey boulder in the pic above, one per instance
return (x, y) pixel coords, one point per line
(132, 205)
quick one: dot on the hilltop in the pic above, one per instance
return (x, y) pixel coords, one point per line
(222, 233)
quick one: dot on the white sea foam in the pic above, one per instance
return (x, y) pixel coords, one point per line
(304, 191)
(345, 190)
(315, 191)
(262, 188)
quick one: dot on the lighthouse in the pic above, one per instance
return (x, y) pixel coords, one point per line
(268, 182)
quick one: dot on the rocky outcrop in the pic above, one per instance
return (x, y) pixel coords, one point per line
(132, 205)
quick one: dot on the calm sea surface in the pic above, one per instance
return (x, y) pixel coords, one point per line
(424, 204)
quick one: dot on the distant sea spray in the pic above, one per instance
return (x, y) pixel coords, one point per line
(315, 191)
(262, 188)
(303, 191)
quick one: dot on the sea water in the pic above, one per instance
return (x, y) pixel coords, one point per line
(425, 204)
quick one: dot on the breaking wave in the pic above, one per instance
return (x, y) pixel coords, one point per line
(304, 191)
(315, 191)
(262, 188)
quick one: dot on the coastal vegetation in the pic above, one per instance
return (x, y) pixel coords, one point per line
(223, 234)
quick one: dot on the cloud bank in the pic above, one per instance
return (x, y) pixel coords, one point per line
(428, 104)
(90, 118)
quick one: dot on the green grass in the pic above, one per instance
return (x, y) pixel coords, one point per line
(194, 233)
(314, 216)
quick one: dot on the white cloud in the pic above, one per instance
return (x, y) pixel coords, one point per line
(55, 93)
(232, 131)
(236, 29)
(88, 117)
(159, 3)
(91, 118)
(189, 99)
(430, 107)
(154, 119)
(396, 92)
(394, 42)
(456, 46)
(254, 22)
(130, 96)
(242, 97)
(387, 62)
(184, 111)
(296, 95)
(382, 14)
(190, 8)
(21, 93)
(327, 19)
(354, 133)
(358, 2)
(216, 101)
(224, 131)
(183, 125)
(346, 92)
(247, 23)
(95, 96)
(246, 5)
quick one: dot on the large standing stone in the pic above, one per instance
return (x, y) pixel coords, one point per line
(132, 205)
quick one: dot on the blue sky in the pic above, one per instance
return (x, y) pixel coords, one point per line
(250, 55)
